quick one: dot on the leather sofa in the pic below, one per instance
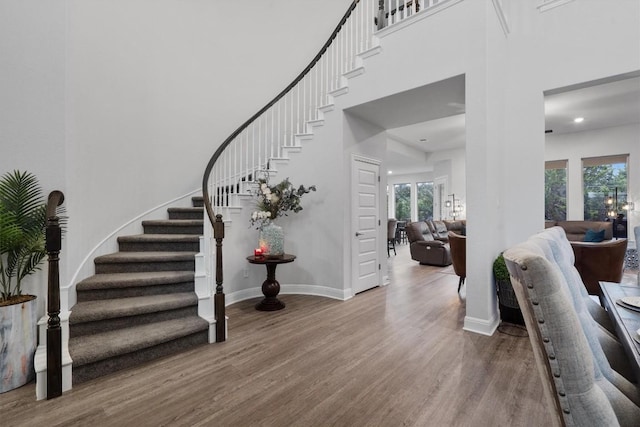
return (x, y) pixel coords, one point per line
(458, 226)
(595, 261)
(424, 247)
(438, 230)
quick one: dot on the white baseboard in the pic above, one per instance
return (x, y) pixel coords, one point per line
(481, 326)
(291, 289)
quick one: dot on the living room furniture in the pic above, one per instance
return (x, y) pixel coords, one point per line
(458, 247)
(391, 235)
(401, 233)
(458, 226)
(578, 380)
(424, 247)
(557, 247)
(438, 230)
(270, 287)
(595, 261)
(626, 321)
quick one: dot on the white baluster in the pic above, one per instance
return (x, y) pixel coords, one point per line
(277, 139)
(285, 118)
(273, 129)
(304, 102)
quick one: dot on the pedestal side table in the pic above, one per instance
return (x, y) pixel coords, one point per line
(270, 287)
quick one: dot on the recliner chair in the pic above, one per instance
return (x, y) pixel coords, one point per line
(424, 247)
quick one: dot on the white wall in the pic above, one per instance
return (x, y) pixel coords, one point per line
(601, 142)
(32, 100)
(506, 75)
(131, 98)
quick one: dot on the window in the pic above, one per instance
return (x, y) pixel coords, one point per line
(555, 190)
(403, 201)
(605, 186)
(425, 200)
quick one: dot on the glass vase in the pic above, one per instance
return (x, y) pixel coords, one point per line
(271, 240)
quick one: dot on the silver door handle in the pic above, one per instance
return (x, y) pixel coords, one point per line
(358, 234)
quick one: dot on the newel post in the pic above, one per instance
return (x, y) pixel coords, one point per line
(221, 321)
(54, 332)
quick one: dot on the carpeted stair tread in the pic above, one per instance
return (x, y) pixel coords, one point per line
(91, 311)
(186, 213)
(159, 242)
(174, 222)
(127, 280)
(160, 238)
(92, 348)
(151, 256)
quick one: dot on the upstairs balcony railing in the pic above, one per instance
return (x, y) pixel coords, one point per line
(278, 127)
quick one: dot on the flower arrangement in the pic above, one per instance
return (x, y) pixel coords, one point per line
(275, 201)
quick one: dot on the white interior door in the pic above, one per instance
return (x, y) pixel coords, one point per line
(366, 227)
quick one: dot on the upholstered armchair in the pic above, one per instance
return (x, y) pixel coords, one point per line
(601, 261)
(595, 261)
(458, 246)
(578, 380)
(424, 247)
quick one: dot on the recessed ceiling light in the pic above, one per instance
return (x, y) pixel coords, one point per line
(389, 172)
(578, 120)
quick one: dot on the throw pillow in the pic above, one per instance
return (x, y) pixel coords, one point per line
(593, 236)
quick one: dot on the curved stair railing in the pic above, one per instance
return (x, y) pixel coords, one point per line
(256, 147)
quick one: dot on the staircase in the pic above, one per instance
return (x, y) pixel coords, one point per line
(140, 304)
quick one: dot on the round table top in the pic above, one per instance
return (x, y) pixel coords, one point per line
(265, 259)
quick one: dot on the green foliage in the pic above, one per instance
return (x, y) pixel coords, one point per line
(275, 201)
(500, 269)
(403, 201)
(599, 182)
(22, 230)
(555, 194)
(425, 200)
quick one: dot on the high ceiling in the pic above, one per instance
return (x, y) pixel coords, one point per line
(431, 118)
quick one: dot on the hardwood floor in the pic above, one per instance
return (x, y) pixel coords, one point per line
(391, 356)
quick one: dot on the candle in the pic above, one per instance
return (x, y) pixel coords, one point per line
(257, 252)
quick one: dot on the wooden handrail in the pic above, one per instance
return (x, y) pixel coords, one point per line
(54, 333)
(216, 220)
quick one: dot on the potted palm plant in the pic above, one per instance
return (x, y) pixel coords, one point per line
(22, 249)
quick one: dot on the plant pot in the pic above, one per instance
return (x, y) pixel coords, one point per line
(508, 303)
(18, 340)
